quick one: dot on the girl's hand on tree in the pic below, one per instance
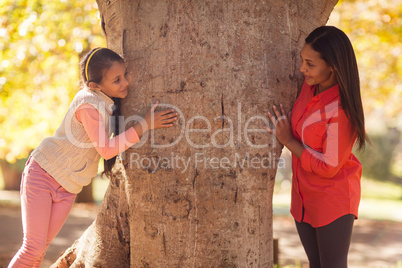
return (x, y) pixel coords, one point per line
(283, 129)
(160, 119)
(154, 120)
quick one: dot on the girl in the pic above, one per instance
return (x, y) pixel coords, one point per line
(326, 120)
(61, 165)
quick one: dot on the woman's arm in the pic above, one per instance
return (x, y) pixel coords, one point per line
(337, 145)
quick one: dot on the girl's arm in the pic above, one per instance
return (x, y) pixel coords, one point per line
(96, 131)
(110, 147)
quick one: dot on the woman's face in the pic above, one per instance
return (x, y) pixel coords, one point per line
(114, 82)
(316, 71)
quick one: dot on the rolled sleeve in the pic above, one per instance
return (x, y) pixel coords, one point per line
(337, 147)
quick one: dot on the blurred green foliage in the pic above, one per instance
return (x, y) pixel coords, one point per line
(40, 46)
(377, 159)
(375, 30)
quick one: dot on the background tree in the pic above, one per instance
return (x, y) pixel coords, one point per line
(223, 64)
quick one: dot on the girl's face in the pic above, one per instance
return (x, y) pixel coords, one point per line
(316, 71)
(114, 82)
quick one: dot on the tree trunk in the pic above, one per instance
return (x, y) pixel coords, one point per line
(199, 194)
(11, 173)
(86, 195)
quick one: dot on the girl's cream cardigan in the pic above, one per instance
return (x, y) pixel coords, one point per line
(69, 156)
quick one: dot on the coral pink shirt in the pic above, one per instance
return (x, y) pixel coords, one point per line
(326, 180)
(95, 128)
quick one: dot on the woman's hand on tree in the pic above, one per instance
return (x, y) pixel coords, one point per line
(282, 128)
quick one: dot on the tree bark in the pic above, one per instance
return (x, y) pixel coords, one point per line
(222, 65)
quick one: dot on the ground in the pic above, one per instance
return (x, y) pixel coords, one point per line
(375, 244)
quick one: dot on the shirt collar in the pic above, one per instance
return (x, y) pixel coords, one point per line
(328, 95)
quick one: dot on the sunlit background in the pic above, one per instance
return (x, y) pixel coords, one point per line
(41, 43)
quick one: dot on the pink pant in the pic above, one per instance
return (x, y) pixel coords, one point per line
(45, 206)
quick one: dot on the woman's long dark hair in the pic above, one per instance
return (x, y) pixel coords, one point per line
(336, 49)
(99, 64)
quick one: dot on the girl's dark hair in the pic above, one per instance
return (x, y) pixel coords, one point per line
(336, 49)
(99, 63)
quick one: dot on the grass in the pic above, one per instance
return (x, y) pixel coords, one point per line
(379, 209)
(373, 189)
(381, 200)
(296, 265)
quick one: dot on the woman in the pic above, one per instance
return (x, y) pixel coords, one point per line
(326, 120)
